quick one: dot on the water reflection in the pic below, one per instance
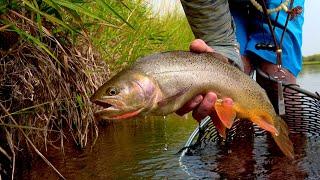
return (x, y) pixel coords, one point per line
(309, 78)
(133, 148)
(146, 148)
(249, 157)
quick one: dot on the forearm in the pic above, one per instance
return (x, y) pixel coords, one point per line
(211, 21)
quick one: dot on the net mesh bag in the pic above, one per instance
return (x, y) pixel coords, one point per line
(302, 117)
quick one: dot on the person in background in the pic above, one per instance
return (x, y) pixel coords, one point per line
(233, 31)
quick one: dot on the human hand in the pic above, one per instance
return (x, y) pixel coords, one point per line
(199, 46)
(202, 105)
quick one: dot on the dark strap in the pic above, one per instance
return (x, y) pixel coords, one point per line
(278, 47)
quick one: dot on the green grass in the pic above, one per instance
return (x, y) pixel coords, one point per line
(121, 45)
(315, 57)
(122, 31)
(311, 62)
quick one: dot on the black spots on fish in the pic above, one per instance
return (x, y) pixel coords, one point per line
(253, 93)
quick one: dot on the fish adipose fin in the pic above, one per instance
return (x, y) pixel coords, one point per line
(226, 112)
(282, 140)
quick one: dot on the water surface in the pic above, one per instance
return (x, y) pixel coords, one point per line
(309, 78)
(146, 148)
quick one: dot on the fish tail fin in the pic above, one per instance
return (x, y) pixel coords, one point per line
(282, 139)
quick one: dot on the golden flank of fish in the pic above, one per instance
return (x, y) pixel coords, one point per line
(162, 83)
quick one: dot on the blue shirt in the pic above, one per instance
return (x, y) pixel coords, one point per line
(250, 30)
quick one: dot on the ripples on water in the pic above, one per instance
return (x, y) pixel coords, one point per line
(136, 150)
(257, 159)
(147, 148)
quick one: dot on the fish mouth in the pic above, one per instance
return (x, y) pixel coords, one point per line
(105, 106)
(102, 104)
(112, 109)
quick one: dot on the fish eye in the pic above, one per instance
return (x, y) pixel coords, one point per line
(112, 91)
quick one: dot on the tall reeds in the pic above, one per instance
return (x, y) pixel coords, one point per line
(48, 69)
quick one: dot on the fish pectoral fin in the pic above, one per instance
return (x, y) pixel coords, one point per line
(225, 111)
(166, 100)
(264, 124)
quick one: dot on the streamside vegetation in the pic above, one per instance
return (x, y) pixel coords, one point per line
(48, 69)
(147, 33)
(313, 59)
(54, 54)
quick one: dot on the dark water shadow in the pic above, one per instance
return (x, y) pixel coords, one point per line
(255, 157)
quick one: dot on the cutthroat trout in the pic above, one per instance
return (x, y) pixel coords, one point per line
(162, 83)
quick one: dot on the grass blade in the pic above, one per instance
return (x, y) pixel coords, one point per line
(79, 9)
(50, 18)
(117, 14)
(30, 142)
(36, 41)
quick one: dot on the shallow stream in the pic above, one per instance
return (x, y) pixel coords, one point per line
(146, 148)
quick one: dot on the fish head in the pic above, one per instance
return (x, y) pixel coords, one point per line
(125, 95)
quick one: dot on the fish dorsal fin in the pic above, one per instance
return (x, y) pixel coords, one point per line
(179, 93)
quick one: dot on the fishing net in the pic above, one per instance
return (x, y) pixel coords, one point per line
(205, 145)
(302, 117)
(302, 110)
